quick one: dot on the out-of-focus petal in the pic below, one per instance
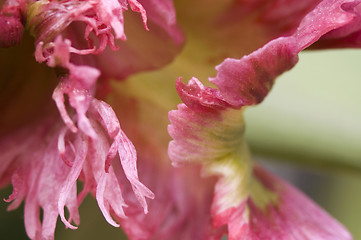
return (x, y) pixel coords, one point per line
(276, 17)
(235, 28)
(144, 50)
(294, 217)
(11, 26)
(208, 128)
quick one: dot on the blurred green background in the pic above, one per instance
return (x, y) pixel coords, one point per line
(307, 130)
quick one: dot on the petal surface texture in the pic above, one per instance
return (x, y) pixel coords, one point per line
(208, 128)
(105, 133)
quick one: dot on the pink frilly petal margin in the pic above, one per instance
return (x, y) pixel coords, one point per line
(208, 116)
(46, 19)
(124, 148)
(38, 174)
(46, 162)
(102, 22)
(73, 153)
(79, 85)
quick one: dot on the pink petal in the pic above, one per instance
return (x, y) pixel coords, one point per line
(346, 36)
(111, 13)
(125, 149)
(70, 182)
(44, 179)
(11, 27)
(137, 7)
(276, 17)
(207, 128)
(294, 217)
(108, 191)
(248, 80)
(11, 31)
(100, 200)
(134, 55)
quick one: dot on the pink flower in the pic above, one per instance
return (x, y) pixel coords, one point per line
(44, 152)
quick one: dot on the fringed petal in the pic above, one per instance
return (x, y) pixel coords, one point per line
(47, 20)
(125, 149)
(47, 163)
(102, 205)
(208, 129)
(81, 145)
(214, 138)
(108, 192)
(66, 154)
(127, 155)
(18, 194)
